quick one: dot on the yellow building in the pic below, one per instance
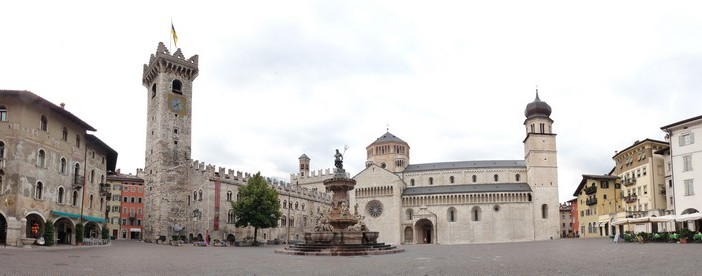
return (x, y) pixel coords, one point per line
(598, 198)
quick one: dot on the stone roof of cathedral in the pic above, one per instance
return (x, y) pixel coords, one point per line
(466, 165)
(387, 137)
(467, 188)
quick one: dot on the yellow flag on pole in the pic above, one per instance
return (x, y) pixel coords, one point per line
(175, 36)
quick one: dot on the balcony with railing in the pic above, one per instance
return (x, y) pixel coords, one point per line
(591, 201)
(629, 181)
(630, 198)
(104, 189)
(77, 181)
(590, 190)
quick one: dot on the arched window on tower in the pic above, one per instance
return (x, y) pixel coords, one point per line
(177, 87)
(229, 195)
(64, 135)
(199, 195)
(90, 202)
(544, 211)
(532, 128)
(475, 178)
(517, 177)
(497, 177)
(451, 179)
(194, 195)
(153, 90)
(431, 181)
(285, 204)
(542, 128)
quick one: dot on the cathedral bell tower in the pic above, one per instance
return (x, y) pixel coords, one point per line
(542, 169)
(168, 79)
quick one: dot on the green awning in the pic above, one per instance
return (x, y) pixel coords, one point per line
(77, 216)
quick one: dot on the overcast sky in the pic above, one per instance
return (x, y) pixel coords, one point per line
(282, 78)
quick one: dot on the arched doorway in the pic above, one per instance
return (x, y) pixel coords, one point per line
(231, 238)
(64, 231)
(425, 231)
(199, 237)
(36, 221)
(92, 230)
(3, 229)
(409, 235)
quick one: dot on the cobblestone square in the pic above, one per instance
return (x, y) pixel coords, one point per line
(557, 257)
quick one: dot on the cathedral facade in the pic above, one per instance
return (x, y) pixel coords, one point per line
(458, 202)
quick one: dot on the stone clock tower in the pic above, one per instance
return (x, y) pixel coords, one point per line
(168, 79)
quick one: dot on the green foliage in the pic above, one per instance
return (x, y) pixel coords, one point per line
(79, 233)
(686, 234)
(257, 206)
(49, 234)
(105, 232)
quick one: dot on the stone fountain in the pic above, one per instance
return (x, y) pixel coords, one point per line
(339, 232)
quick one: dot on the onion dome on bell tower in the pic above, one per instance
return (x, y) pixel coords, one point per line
(537, 108)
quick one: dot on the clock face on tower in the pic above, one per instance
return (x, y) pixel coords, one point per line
(176, 104)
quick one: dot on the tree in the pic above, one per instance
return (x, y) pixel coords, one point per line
(257, 206)
(49, 234)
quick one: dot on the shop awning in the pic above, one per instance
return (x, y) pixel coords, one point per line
(134, 230)
(689, 217)
(77, 216)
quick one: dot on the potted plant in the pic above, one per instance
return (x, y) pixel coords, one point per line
(685, 235)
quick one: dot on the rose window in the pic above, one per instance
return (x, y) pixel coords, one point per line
(375, 208)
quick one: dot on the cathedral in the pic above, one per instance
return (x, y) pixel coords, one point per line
(443, 202)
(458, 202)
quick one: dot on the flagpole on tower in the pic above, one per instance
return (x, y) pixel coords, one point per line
(174, 36)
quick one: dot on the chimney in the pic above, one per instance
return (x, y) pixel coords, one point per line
(63, 105)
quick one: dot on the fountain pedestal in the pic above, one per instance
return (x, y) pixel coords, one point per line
(340, 233)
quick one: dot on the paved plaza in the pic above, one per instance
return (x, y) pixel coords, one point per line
(566, 257)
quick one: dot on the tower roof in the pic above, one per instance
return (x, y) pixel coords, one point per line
(387, 137)
(304, 156)
(537, 108)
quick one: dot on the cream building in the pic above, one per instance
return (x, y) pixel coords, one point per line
(51, 170)
(599, 201)
(642, 175)
(458, 202)
(685, 159)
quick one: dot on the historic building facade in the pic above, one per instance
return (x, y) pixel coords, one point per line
(125, 219)
(51, 170)
(684, 159)
(457, 202)
(185, 197)
(599, 198)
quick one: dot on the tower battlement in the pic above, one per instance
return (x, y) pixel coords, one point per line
(164, 62)
(320, 175)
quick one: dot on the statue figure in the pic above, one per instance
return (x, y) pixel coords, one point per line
(323, 225)
(338, 160)
(344, 207)
(355, 210)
